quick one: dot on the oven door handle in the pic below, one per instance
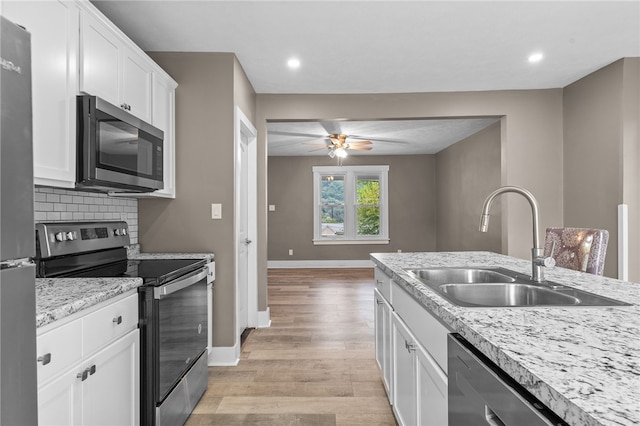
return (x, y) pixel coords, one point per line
(166, 290)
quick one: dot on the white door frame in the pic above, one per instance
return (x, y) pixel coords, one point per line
(243, 126)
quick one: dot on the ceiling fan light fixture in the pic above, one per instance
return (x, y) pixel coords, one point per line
(341, 152)
(332, 153)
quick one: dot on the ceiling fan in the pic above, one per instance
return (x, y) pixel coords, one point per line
(338, 145)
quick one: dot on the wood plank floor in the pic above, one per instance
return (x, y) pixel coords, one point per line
(315, 365)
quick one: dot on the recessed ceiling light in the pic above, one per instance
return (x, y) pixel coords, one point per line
(293, 63)
(535, 57)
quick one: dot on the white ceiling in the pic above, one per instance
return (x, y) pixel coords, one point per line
(359, 46)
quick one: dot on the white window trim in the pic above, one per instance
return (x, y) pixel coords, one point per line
(350, 173)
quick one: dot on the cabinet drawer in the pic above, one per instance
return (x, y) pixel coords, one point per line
(58, 349)
(109, 323)
(383, 284)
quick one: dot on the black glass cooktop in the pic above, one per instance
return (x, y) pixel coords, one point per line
(153, 272)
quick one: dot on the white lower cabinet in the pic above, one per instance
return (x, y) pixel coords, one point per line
(410, 355)
(89, 367)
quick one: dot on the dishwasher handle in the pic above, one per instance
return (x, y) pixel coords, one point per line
(179, 284)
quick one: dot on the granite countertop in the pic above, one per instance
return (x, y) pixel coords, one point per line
(57, 298)
(582, 362)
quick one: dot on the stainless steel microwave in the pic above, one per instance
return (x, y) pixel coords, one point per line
(116, 151)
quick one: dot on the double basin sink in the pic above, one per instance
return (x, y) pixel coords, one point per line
(499, 287)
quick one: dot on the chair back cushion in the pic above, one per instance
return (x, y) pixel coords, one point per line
(580, 249)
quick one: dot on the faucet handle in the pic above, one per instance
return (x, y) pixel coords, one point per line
(548, 262)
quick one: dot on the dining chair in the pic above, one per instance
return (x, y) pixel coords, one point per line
(580, 249)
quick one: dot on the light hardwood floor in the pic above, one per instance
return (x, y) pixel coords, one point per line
(315, 365)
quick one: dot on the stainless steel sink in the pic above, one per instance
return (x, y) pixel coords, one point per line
(463, 275)
(499, 287)
(507, 294)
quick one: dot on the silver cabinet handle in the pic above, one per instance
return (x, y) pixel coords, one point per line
(410, 347)
(45, 359)
(92, 370)
(118, 320)
(83, 376)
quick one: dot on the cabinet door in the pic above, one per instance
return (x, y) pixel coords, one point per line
(383, 339)
(59, 402)
(164, 119)
(404, 379)
(432, 390)
(111, 395)
(100, 60)
(136, 85)
(54, 51)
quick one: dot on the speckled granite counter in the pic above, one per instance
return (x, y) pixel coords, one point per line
(57, 298)
(582, 362)
(133, 252)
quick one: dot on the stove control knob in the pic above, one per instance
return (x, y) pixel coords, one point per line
(124, 231)
(71, 236)
(120, 232)
(61, 236)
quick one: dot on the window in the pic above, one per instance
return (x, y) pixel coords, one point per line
(350, 205)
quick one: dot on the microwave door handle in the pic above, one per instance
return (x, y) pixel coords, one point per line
(166, 290)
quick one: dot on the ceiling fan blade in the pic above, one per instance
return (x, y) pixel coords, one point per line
(318, 149)
(360, 148)
(331, 127)
(378, 139)
(361, 143)
(314, 143)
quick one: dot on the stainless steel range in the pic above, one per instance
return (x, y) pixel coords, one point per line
(173, 309)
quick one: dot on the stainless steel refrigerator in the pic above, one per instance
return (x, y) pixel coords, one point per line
(18, 386)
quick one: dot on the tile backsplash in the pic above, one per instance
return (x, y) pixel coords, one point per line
(61, 205)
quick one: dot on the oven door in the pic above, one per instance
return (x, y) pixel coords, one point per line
(181, 329)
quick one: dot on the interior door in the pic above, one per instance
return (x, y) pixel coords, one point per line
(243, 235)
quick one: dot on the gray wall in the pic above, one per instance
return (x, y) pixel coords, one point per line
(412, 201)
(601, 156)
(208, 84)
(466, 173)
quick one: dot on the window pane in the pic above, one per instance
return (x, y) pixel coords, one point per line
(368, 220)
(368, 190)
(332, 220)
(332, 206)
(368, 205)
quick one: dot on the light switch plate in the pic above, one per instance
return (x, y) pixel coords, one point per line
(216, 211)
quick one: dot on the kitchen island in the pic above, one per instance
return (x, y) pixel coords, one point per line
(582, 362)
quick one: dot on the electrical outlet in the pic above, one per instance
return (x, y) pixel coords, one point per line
(272, 207)
(290, 252)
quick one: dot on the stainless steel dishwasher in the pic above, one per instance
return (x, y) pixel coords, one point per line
(481, 393)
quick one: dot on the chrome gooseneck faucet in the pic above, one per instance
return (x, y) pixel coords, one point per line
(538, 261)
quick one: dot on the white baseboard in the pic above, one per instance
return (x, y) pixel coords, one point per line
(220, 356)
(264, 318)
(272, 264)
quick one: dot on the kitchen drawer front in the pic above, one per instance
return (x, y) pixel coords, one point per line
(58, 349)
(109, 323)
(429, 332)
(383, 284)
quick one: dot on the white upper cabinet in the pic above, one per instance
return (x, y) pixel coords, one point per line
(54, 51)
(164, 90)
(75, 49)
(112, 69)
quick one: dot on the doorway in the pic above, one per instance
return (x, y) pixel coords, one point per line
(246, 224)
